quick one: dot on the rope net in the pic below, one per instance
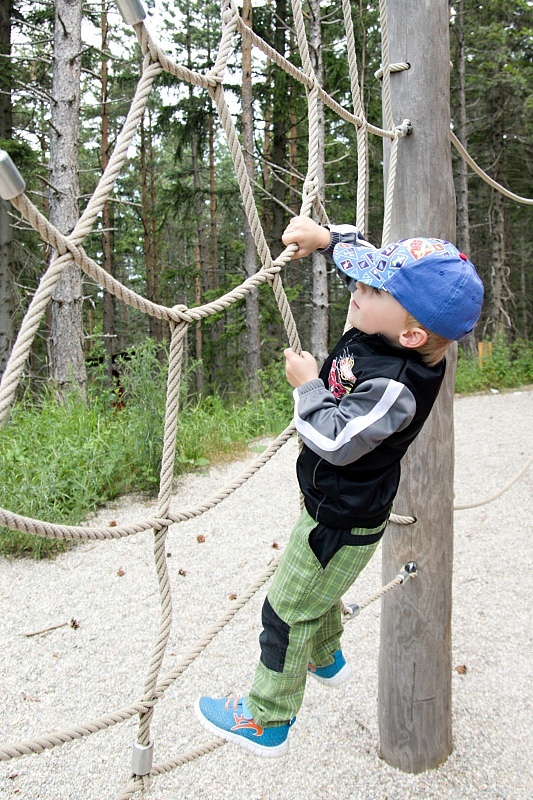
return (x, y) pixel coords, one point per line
(68, 249)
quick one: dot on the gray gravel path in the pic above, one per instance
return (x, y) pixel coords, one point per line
(71, 675)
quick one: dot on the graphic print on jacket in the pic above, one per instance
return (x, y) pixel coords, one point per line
(356, 421)
(341, 379)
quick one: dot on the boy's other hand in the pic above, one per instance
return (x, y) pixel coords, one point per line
(307, 234)
(299, 368)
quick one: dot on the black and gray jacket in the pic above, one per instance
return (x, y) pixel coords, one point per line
(356, 421)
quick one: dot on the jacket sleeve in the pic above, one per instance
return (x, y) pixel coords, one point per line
(348, 234)
(342, 432)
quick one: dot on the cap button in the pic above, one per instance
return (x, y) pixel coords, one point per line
(462, 255)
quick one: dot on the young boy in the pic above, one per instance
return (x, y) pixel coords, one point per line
(356, 418)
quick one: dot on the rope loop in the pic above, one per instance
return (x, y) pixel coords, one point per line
(398, 67)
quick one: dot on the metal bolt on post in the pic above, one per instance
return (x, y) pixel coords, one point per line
(406, 128)
(132, 11)
(409, 571)
(11, 181)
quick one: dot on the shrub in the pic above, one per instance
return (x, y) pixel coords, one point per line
(508, 366)
(60, 461)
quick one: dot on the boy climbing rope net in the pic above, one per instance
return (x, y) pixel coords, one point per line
(356, 418)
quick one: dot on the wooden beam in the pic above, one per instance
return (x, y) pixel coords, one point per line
(415, 651)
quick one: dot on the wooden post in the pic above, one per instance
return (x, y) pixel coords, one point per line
(415, 652)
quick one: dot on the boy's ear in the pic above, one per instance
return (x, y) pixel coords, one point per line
(413, 337)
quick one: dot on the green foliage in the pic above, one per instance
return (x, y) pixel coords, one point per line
(60, 461)
(220, 426)
(498, 79)
(509, 365)
(57, 462)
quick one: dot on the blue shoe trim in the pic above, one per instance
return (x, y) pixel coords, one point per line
(235, 724)
(334, 674)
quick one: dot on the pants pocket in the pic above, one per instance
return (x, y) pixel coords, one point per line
(325, 542)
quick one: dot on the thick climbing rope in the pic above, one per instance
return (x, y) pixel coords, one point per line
(70, 249)
(482, 174)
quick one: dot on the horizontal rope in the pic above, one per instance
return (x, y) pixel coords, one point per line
(499, 493)
(477, 169)
(50, 530)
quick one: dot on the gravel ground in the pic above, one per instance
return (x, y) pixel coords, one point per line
(70, 675)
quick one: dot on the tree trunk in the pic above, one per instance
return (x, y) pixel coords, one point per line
(149, 227)
(294, 92)
(159, 328)
(500, 319)
(523, 331)
(461, 130)
(200, 247)
(499, 313)
(250, 263)
(279, 133)
(415, 652)
(109, 321)
(320, 297)
(267, 140)
(200, 251)
(7, 332)
(67, 365)
(212, 278)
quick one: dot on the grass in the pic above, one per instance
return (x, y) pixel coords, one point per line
(61, 461)
(509, 366)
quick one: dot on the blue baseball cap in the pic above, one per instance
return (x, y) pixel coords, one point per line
(430, 278)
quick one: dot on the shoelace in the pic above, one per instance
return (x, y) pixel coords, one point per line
(236, 702)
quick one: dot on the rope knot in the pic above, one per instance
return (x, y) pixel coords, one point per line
(179, 313)
(405, 129)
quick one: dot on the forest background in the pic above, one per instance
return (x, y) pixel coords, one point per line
(174, 229)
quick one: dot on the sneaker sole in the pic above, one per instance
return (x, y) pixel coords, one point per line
(343, 675)
(258, 749)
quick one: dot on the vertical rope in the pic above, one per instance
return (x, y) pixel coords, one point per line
(385, 57)
(362, 133)
(165, 491)
(389, 198)
(389, 121)
(310, 188)
(50, 279)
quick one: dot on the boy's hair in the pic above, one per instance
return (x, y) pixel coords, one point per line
(434, 350)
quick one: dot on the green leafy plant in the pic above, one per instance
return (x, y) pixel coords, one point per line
(506, 367)
(61, 461)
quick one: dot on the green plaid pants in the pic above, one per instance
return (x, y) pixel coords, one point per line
(302, 619)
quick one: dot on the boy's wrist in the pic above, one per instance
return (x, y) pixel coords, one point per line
(323, 237)
(334, 238)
